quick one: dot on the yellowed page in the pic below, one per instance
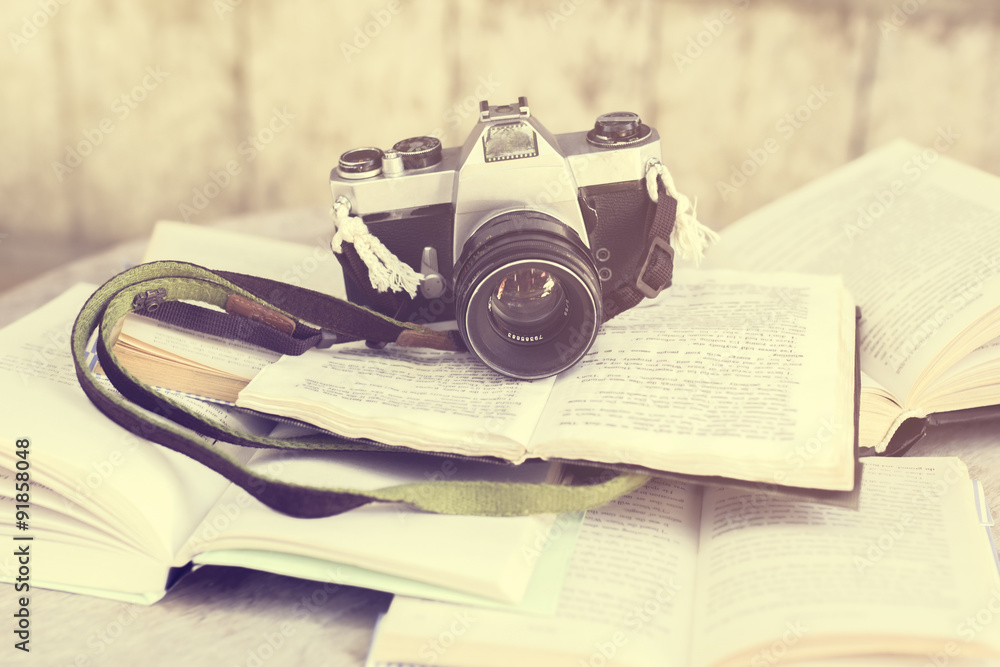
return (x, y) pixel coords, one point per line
(880, 409)
(484, 556)
(96, 474)
(626, 600)
(967, 383)
(781, 582)
(916, 236)
(938, 658)
(903, 574)
(424, 399)
(232, 357)
(745, 375)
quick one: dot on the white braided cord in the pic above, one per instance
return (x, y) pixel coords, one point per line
(690, 237)
(385, 270)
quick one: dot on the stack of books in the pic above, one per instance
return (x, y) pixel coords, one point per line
(752, 390)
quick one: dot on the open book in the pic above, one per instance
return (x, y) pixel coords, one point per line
(710, 577)
(117, 516)
(916, 237)
(738, 375)
(206, 366)
(725, 374)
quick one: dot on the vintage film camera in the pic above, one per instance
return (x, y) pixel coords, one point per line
(529, 240)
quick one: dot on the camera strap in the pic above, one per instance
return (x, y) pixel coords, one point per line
(657, 269)
(671, 225)
(277, 315)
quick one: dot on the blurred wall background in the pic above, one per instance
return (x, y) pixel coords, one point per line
(118, 113)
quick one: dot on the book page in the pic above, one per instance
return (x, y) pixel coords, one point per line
(50, 511)
(969, 382)
(311, 266)
(424, 399)
(941, 657)
(880, 409)
(232, 357)
(743, 375)
(626, 600)
(485, 556)
(150, 496)
(897, 576)
(916, 237)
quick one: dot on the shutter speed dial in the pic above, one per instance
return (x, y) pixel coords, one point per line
(618, 128)
(419, 152)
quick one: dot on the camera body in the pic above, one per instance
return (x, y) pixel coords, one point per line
(520, 234)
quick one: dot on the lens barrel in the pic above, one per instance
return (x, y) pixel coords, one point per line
(527, 295)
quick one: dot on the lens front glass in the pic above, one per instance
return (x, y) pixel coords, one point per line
(529, 305)
(527, 295)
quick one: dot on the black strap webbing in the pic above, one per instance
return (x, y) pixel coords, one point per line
(656, 272)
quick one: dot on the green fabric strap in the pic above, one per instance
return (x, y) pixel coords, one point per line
(161, 419)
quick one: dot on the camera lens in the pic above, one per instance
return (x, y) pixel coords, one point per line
(529, 305)
(527, 295)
